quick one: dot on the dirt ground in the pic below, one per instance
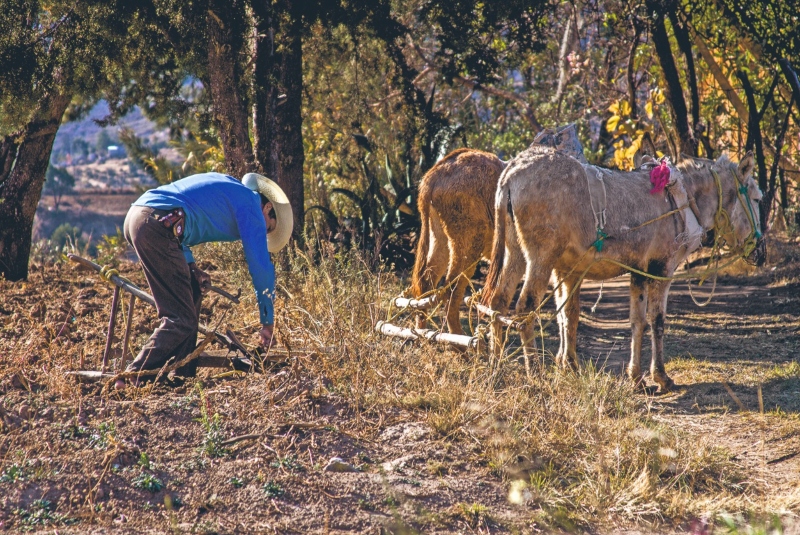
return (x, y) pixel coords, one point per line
(73, 460)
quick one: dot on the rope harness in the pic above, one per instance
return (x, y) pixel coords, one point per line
(600, 214)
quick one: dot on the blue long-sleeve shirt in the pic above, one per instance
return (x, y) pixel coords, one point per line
(220, 208)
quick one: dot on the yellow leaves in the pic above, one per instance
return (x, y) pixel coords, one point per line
(621, 109)
(625, 157)
(612, 123)
(630, 131)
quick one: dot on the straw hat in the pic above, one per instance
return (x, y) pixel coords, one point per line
(279, 237)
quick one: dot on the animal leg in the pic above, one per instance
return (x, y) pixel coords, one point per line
(530, 298)
(510, 276)
(638, 322)
(436, 262)
(657, 292)
(461, 258)
(569, 311)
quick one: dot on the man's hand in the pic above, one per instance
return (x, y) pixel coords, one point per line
(203, 279)
(266, 336)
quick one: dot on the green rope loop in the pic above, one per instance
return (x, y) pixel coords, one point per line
(598, 244)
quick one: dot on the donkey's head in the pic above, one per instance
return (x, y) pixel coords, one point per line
(740, 200)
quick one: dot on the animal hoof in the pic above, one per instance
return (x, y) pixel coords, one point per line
(666, 385)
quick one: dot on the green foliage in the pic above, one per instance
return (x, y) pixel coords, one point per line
(73, 432)
(39, 514)
(144, 461)
(289, 462)
(212, 425)
(106, 432)
(147, 481)
(13, 472)
(111, 247)
(273, 490)
(200, 153)
(739, 525)
(67, 235)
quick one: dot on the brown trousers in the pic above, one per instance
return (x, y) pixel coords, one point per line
(175, 291)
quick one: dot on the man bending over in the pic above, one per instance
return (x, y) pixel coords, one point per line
(165, 222)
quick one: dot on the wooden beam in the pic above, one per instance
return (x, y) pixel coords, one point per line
(508, 322)
(405, 302)
(461, 340)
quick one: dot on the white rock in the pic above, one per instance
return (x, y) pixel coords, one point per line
(337, 464)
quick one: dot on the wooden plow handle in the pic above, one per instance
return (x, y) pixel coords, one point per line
(146, 297)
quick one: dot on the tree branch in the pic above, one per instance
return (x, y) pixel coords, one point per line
(527, 110)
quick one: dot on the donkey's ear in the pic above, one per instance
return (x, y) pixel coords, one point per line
(746, 165)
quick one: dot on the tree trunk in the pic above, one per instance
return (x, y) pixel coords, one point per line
(791, 77)
(773, 176)
(8, 153)
(631, 75)
(674, 91)
(754, 137)
(226, 29)
(279, 93)
(22, 188)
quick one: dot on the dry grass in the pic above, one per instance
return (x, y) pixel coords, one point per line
(583, 446)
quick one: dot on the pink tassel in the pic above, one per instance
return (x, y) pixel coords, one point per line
(659, 178)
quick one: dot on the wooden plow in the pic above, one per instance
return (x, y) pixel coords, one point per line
(458, 340)
(236, 356)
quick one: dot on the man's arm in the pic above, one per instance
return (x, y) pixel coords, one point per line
(253, 232)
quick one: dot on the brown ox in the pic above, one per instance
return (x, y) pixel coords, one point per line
(456, 206)
(546, 227)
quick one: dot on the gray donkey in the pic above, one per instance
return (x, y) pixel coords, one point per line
(558, 218)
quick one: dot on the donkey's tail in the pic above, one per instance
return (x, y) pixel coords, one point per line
(420, 278)
(502, 207)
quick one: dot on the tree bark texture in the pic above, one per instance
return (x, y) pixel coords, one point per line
(21, 188)
(226, 29)
(674, 91)
(277, 119)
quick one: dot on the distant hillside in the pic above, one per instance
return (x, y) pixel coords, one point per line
(94, 156)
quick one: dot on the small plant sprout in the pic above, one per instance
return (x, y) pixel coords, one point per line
(148, 482)
(214, 434)
(273, 489)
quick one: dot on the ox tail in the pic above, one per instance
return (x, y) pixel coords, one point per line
(419, 276)
(501, 209)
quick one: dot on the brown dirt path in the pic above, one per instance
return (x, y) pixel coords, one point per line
(747, 338)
